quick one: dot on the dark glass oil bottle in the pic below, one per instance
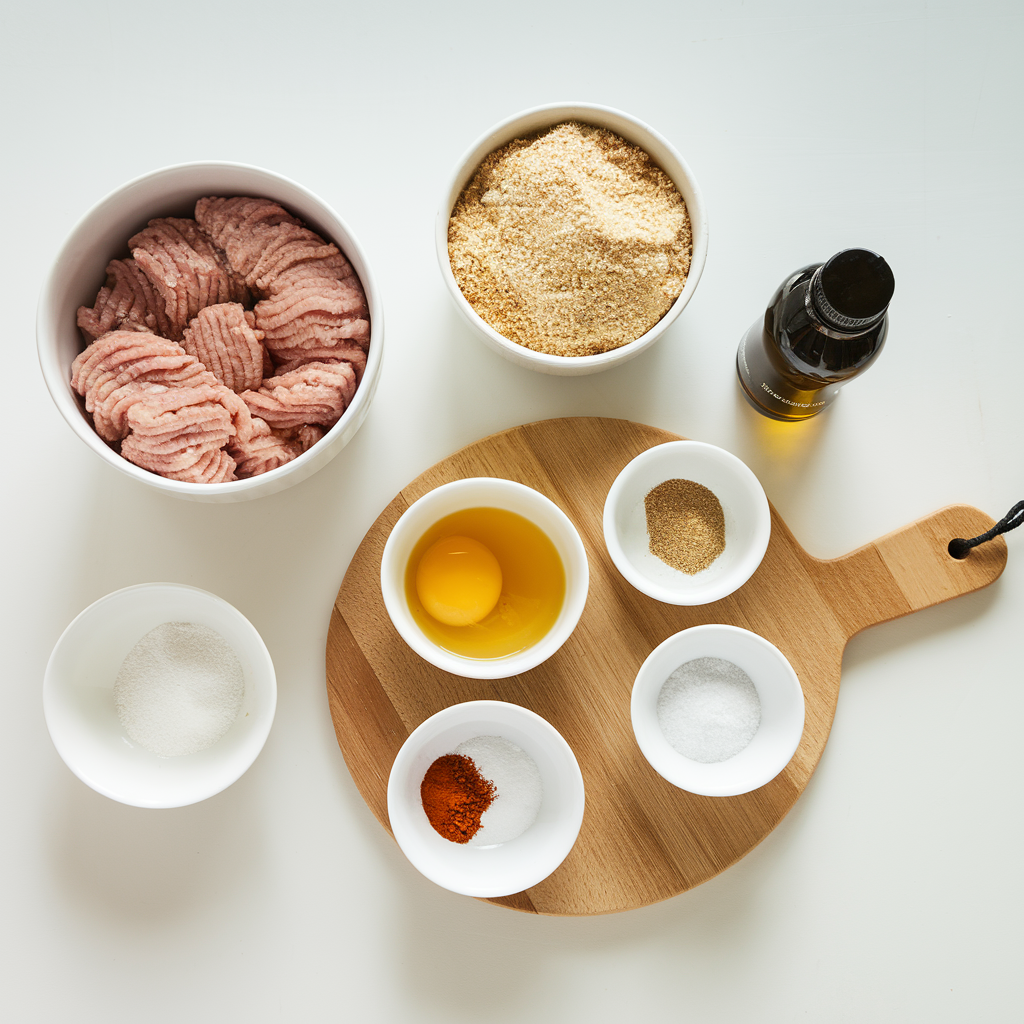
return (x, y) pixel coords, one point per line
(824, 325)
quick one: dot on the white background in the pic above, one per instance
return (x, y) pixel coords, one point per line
(892, 891)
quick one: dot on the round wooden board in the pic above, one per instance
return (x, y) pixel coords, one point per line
(642, 839)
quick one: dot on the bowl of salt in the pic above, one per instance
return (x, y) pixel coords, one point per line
(717, 710)
(159, 695)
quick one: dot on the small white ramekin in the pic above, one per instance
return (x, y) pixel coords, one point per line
(484, 492)
(78, 698)
(495, 870)
(778, 689)
(631, 129)
(748, 522)
(102, 234)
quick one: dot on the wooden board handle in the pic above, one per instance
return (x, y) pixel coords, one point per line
(910, 569)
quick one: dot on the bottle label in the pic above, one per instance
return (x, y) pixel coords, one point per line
(770, 392)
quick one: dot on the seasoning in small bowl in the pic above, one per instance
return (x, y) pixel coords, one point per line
(485, 798)
(487, 791)
(709, 710)
(717, 710)
(686, 523)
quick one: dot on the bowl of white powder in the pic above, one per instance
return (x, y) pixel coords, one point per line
(534, 804)
(159, 695)
(717, 710)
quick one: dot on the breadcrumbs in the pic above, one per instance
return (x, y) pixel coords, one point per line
(571, 241)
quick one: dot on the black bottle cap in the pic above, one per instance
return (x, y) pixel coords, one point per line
(852, 290)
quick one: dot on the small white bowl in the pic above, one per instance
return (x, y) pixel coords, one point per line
(782, 711)
(487, 870)
(102, 234)
(484, 492)
(78, 699)
(748, 522)
(632, 130)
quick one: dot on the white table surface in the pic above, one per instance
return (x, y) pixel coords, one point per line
(892, 891)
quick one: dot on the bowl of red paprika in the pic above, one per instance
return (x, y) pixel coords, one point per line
(497, 868)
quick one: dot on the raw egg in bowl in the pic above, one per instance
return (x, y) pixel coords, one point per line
(484, 577)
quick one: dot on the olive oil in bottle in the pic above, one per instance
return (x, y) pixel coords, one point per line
(826, 323)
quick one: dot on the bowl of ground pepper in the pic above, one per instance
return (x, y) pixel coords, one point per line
(517, 777)
(686, 523)
(571, 236)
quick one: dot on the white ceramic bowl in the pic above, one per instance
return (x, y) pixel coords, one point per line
(102, 234)
(748, 522)
(631, 129)
(79, 707)
(484, 492)
(782, 711)
(490, 870)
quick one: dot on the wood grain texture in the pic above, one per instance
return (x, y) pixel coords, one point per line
(642, 839)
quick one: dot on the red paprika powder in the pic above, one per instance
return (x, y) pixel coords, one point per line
(454, 796)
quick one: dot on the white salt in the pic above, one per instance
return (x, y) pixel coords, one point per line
(709, 710)
(180, 689)
(517, 781)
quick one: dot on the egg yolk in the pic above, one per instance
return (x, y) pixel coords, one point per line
(458, 581)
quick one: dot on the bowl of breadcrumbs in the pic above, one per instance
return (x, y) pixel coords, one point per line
(571, 236)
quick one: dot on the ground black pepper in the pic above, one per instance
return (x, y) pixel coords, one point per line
(685, 524)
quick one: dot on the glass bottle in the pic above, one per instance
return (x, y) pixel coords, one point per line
(825, 324)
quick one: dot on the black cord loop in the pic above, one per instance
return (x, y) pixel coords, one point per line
(960, 548)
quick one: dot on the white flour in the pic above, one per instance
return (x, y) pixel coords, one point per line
(179, 689)
(516, 778)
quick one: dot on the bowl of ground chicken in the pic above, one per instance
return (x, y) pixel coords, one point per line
(212, 330)
(571, 236)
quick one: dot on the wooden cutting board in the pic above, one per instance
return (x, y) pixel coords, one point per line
(642, 839)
